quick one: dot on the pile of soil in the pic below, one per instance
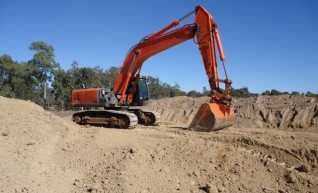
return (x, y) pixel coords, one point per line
(283, 111)
(177, 110)
(42, 152)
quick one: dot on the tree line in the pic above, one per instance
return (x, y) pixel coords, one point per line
(42, 80)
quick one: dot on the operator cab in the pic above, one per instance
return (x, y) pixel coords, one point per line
(141, 95)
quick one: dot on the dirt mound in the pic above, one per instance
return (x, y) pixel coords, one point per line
(284, 111)
(28, 135)
(41, 152)
(177, 110)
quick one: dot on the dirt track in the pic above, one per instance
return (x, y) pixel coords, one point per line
(42, 152)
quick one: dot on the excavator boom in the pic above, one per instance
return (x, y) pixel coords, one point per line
(146, 49)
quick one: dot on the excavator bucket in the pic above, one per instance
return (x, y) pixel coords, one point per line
(212, 117)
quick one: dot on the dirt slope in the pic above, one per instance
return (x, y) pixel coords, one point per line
(284, 111)
(41, 152)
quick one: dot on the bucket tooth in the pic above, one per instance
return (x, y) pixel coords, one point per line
(212, 117)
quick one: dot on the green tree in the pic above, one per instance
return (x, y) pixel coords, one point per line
(111, 75)
(294, 93)
(25, 83)
(206, 92)
(194, 94)
(43, 59)
(86, 78)
(17, 79)
(310, 94)
(267, 92)
(155, 88)
(7, 73)
(158, 90)
(175, 90)
(62, 88)
(92, 77)
(275, 92)
(100, 76)
(74, 73)
(241, 92)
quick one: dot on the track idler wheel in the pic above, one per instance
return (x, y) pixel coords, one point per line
(77, 119)
(212, 117)
(149, 119)
(123, 122)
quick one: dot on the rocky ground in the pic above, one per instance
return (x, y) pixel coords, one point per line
(272, 148)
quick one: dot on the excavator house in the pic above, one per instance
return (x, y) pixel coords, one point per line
(130, 89)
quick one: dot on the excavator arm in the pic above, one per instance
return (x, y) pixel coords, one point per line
(211, 116)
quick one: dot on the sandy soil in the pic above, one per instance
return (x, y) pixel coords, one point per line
(273, 150)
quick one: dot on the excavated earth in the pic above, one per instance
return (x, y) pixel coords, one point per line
(271, 148)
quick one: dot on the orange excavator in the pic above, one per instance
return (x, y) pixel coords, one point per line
(130, 89)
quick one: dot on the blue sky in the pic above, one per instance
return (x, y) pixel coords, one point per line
(268, 44)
